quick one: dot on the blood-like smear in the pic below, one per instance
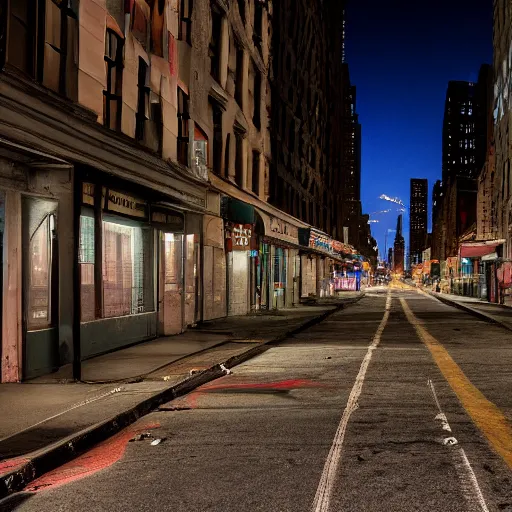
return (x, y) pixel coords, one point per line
(101, 457)
(191, 399)
(6, 466)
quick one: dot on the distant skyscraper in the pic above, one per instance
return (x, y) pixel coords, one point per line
(437, 212)
(418, 219)
(399, 248)
(390, 257)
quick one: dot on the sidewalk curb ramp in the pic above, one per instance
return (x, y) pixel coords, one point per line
(468, 309)
(46, 459)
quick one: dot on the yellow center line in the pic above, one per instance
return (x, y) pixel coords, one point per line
(486, 416)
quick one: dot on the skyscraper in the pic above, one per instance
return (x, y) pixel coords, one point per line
(399, 248)
(418, 219)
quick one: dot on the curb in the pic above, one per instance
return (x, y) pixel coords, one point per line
(59, 453)
(482, 316)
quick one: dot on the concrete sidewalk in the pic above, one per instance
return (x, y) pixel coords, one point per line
(494, 313)
(47, 421)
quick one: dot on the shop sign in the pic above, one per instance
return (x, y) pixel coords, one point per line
(173, 221)
(88, 193)
(280, 227)
(320, 242)
(125, 204)
(241, 235)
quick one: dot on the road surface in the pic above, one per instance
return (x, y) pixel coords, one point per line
(398, 403)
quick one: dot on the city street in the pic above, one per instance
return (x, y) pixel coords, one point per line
(397, 403)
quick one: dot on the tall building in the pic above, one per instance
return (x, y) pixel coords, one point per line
(307, 113)
(418, 218)
(437, 211)
(399, 248)
(464, 141)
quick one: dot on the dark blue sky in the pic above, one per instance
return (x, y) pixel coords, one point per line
(401, 55)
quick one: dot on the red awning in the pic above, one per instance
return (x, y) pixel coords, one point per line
(477, 250)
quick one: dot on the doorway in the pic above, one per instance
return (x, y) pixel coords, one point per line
(40, 287)
(171, 284)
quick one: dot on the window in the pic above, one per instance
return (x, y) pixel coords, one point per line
(256, 118)
(239, 76)
(112, 101)
(258, 24)
(127, 260)
(239, 159)
(143, 100)
(256, 172)
(217, 140)
(183, 137)
(185, 27)
(215, 41)
(48, 56)
(200, 162)
(241, 9)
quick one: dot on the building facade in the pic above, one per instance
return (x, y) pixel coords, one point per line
(418, 216)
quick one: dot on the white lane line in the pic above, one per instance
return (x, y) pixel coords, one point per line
(469, 483)
(324, 491)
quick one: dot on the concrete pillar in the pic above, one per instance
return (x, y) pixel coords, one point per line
(12, 312)
(224, 52)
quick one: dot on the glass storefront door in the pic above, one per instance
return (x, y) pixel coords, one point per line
(280, 269)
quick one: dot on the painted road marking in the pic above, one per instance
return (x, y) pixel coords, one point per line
(471, 490)
(324, 491)
(486, 416)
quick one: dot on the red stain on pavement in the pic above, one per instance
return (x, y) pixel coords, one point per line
(101, 457)
(6, 466)
(191, 399)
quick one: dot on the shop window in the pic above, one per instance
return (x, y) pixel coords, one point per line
(215, 42)
(50, 57)
(200, 153)
(112, 101)
(183, 136)
(127, 262)
(86, 262)
(41, 274)
(217, 139)
(143, 100)
(256, 172)
(185, 27)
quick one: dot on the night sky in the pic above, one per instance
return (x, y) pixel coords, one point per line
(401, 56)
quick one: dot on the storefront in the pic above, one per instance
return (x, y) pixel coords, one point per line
(278, 265)
(324, 265)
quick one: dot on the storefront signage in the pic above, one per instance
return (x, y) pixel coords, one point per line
(241, 235)
(280, 227)
(322, 242)
(125, 204)
(173, 221)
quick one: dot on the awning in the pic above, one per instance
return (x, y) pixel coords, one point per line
(478, 249)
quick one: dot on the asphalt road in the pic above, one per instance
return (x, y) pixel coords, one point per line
(404, 407)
